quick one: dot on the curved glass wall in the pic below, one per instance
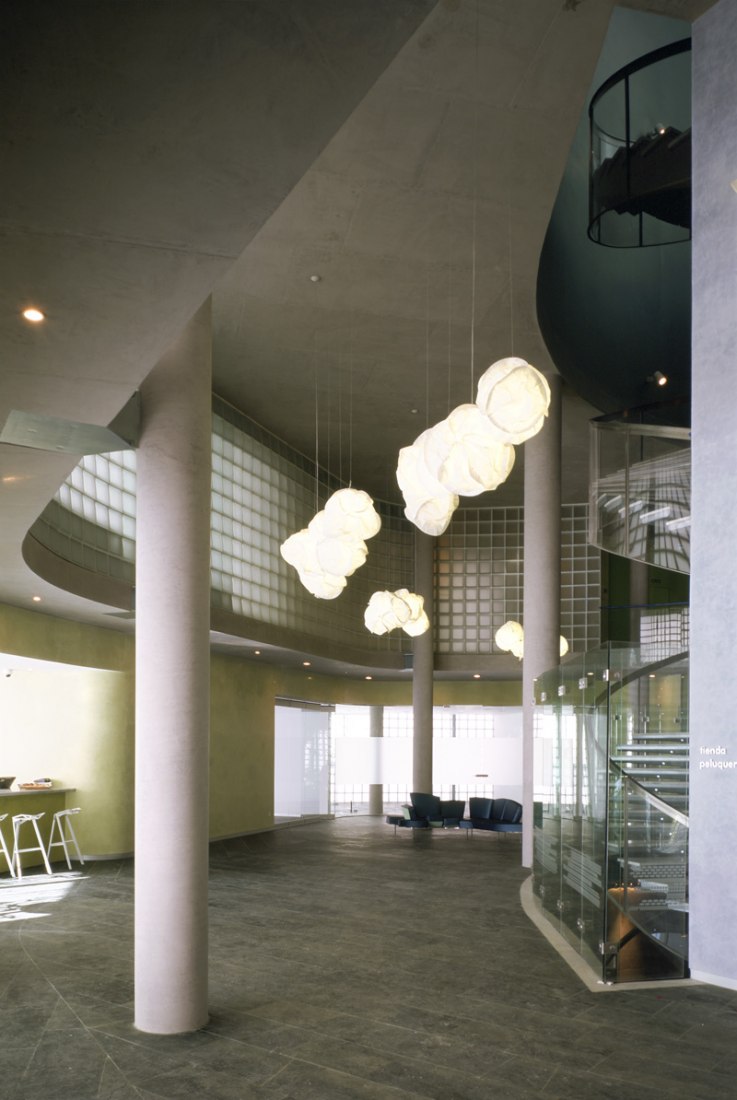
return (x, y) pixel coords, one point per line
(640, 171)
(611, 810)
(640, 492)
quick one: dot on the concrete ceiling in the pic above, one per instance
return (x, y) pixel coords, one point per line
(407, 152)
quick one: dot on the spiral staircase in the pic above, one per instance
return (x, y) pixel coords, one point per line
(611, 726)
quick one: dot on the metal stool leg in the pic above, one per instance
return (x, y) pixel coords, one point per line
(4, 847)
(60, 823)
(18, 821)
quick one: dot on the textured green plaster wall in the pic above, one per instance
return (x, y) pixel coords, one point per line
(76, 723)
(241, 746)
(297, 684)
(72, 720)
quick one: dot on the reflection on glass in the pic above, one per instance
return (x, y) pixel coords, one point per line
(611, 810)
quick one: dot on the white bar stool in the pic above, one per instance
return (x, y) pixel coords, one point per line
(4, 848)
(18, 821)
(63, 825)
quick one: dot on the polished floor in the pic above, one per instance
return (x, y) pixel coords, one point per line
(347, 963)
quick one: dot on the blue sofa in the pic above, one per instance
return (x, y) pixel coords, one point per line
(496, 815)
(428, 811)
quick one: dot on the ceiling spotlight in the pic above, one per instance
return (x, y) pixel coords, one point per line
(477, 675)
(368, 677)
(36, 599)
(315, 278)
(33, 315)
(660, 378)
(307, 663)
(257, 652)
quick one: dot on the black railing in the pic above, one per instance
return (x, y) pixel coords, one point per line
(640, 162)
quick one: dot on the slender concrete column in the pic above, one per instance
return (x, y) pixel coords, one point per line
(541, 586)
(376, 789)
(422, 675)
(173, 686)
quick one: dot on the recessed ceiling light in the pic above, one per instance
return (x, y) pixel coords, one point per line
(368, 677)
(36, 599)
(257, 652)
(33, 315)
(307, 663)
(477, 675)
(315, 278)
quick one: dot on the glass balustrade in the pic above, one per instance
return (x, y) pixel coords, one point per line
(640, 491)
(611, 810)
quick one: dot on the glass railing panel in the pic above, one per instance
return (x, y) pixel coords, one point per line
(649, 722)
(648, 892)
(640, 492)
(608, 724)
(571, 797)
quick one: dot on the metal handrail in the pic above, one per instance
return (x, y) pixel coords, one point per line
(644, 62)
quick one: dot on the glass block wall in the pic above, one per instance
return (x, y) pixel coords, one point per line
(92, 519)
(263, 491)
(479, 578)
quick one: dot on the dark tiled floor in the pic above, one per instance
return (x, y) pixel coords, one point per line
(346, 962)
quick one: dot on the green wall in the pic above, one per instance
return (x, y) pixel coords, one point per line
(73, 720)
(241, 746)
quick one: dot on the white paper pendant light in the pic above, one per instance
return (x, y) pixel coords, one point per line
(511, 638)
(471, 451)
(390, 610)
(515, 397)
(352, 512)
(429, 505)
(465, 454)
(339, 554)
(332, 546)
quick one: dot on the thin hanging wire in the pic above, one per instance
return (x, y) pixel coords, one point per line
(350, 418)
(427, 347)
(450, 306)
(340, 432)
(350, 379)
(329, 401)
(317, 443)
(474, 159)
(511, 283)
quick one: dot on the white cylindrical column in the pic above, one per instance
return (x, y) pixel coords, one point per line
(173, 686)
(712, 887)
(422, 675)
(376, 790)
(541, 586)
